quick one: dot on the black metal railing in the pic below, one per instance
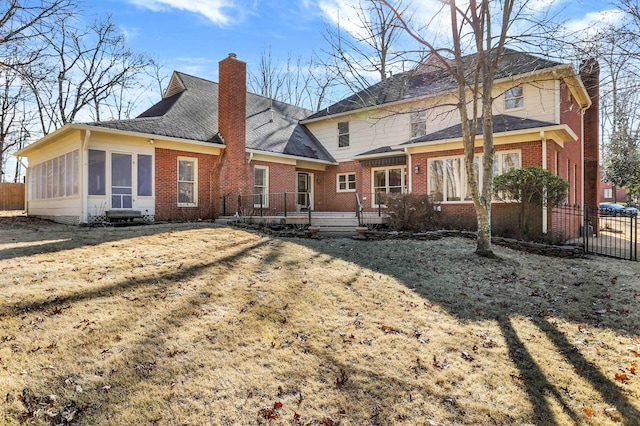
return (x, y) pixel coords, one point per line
(599, 232)
(266, 204)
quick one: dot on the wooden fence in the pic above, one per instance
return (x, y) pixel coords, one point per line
(11, 196)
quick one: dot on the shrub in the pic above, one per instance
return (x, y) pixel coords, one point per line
(411, 212)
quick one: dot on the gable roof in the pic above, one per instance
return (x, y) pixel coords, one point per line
(190, 111)
(501, 123)
(430, 79)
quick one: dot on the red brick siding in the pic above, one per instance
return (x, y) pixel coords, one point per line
(571, 154)
(235, 174)
(590, 75)
(166, 184)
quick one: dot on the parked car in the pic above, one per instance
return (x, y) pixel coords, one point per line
(612, 209)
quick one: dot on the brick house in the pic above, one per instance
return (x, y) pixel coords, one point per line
(203, 150)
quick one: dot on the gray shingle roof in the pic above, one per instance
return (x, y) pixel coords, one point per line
(192, 114)
(501, 123)
(429, 80)
(381, 150)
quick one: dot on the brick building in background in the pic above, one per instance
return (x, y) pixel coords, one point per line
(211, 148)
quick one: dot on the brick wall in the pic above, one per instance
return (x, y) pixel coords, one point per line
(235, 175)
(570, 156)
(590, 75)
(166, 184)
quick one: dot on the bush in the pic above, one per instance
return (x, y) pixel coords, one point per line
(411, 212)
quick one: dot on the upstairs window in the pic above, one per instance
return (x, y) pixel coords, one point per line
(418, 124)
(343, 134)
(514, 98)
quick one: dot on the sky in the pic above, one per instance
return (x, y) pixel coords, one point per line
(193, 35)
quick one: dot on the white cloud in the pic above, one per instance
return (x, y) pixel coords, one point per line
(216, 11)
(592, 21)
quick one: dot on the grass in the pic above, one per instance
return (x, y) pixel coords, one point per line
(198, 324)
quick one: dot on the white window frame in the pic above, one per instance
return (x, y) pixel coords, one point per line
(515, 95)
(347, 134)
(418, 124)
(265, 187)
(194, 181)
(464, 196)
(403, 182)
(347, 182)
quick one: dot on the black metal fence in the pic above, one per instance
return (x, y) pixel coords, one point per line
(273, 204)
(599, 233)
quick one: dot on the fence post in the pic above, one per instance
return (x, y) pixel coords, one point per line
(309, 206)
(585, 229)
(224, 205)
(261, 203)
(239, 204)
(632, 243)
(285, 204)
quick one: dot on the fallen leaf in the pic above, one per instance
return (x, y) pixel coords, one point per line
(587, 411)
(621, 377)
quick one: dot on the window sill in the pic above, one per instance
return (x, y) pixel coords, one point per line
(187, 205)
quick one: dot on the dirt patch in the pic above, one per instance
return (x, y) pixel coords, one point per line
(199, 324)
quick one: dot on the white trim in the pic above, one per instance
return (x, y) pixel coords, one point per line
(311, 188)
(195, 182)
(545, 224)
(463, 177)
(265, 186)
(515, 98)
(403, 181)
(346, 174)
(70, 127)
(562, 71)
(293, 157)
(549, 131)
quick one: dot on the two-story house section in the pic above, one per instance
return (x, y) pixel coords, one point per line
(404, 134)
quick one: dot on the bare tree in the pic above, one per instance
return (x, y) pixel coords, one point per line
(481, 27)
(83, 69)
(15, 116)
(304, 84)
(363, 44)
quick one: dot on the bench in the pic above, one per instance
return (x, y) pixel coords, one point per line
(123, 215)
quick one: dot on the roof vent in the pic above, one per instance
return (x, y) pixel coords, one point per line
(232, 55)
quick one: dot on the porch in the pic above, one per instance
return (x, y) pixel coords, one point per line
(295, 209)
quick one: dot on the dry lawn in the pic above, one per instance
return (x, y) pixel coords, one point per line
(198, 324)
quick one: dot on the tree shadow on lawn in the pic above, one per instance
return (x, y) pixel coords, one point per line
(138, 365)
(475, 293)
(49, 237)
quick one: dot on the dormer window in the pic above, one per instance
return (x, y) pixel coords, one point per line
(514, 98)
(343, 134)
(418, 124)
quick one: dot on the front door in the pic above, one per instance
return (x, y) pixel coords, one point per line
(304, 190)
(121, 181)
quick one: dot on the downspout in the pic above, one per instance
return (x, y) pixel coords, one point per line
(26, 184)
(84, 177)
(410, 171)
(582, 111)
(545, 219)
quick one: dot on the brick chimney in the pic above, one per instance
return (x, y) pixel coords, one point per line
(590, 76)
(232, 113)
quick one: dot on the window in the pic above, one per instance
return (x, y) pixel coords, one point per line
(608, 193)
(145, 170)
(187, 175)
(448, 177)
(261, 186)
(97, 172)
(418, 124)
(346, 182)
(54, 178)
(514, 98)
(343, 134)
(388, 180)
